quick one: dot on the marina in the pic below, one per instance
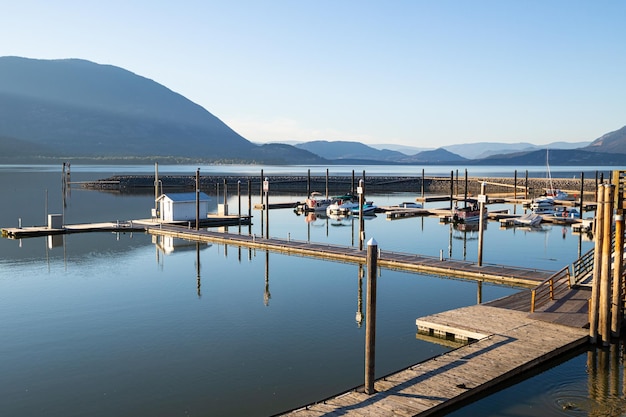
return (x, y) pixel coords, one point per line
(436, 382)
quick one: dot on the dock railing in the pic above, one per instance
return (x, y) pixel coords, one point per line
(582, 268)
(547, 290)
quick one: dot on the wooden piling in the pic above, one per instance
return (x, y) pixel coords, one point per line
(451, 189)
(370, 321)
(605, 280)
(597, 268)
(361, 192)
(617, 314)
(481, 224)
(198, 199)
(266, 188)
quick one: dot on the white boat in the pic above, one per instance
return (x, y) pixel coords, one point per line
(566, 213)
(408, 204)
(528, 219)
(316, 202)
(545, 203)
(342, 204)
(470, 213)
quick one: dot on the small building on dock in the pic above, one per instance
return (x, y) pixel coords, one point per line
(182, 206)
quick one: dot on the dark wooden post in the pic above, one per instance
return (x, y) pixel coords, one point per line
(481, 223)
(198, 199)
(465, 196)
(352, 184)
(422, 182)
(249, 207)
(582, 192)
(308, 183)
(370, 319)
(327, 183)
(526, 186)
(262, 178)
(239, 203)
(266, 187)
(451, 189)
(361, 192)
(515, 191)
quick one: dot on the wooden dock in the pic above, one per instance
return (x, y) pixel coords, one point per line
(139, 225)
(499, 274)
(508, 343)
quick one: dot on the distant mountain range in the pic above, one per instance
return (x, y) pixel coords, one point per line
(610, 149)
(76, 110)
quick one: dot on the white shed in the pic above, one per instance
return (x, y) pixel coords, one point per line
(182, 206)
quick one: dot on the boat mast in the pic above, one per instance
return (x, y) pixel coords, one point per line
(549, 173)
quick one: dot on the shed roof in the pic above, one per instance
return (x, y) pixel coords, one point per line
(184, 197)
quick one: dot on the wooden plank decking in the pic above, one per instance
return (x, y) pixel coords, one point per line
(501, 274)
(511, 342)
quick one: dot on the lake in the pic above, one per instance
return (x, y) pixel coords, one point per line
(105, 324)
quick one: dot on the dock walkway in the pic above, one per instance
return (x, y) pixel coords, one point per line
(500, 274)
(509, 343)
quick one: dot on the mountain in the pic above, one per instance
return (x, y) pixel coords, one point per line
(478, 150)
(78, 108)
(436, 156)
(349, 150)
(407, 150)
(574, 157)
(611, 142)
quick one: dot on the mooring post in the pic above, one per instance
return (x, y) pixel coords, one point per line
(308, 183)
(451, 189)
(526, 187)
(361, 192)
(605, 281)
(482, 199)
(156, 187)
(327, 173)
(249, 206)
(352, 183)
(582, 192)
(618, 271)
(239, 203)
(370, 319)
(597, 269)
(617, 314)
(422, 183)
(198, 199)
(266, 188)
(465, 195)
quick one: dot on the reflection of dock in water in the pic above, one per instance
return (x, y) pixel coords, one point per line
(501, 274)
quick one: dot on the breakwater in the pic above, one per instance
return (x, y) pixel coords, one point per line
(212, 184)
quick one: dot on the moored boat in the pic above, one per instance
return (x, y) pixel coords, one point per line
(316, 202)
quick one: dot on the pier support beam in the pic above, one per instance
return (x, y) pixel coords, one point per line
(370, 320)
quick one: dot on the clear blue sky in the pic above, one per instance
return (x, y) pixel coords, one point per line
(413, 72)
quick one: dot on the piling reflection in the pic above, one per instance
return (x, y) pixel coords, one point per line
(266, 294)
(359, 308)
(606, 382)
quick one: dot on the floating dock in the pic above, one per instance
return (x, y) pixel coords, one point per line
(506, 343)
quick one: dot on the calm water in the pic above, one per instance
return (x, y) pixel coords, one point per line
(103, 324)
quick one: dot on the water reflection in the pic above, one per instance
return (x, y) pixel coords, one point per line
(591, 382)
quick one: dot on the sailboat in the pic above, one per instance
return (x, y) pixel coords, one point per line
(545, 203)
